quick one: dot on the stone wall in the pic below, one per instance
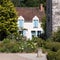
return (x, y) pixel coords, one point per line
(55, 14)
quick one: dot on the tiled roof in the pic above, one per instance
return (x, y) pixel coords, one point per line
(29, 12)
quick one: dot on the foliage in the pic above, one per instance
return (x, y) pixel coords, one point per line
(10, 46)
(30, 47)
(58, 55)
(15, 36)
(51, 55)
(56, 36)
(54, 50)
(44, 23)
(8, 18)
(39, 42)
(53, 46)
(29, 3)
(32, 3)
(13, 46)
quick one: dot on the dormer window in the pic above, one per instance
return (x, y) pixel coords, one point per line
(21, 22)
(35, 22)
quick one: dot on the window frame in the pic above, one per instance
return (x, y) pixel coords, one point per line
(35, 23)
(21, 25)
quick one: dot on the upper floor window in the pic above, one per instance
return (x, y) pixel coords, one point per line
(21, 22)
(35, 22)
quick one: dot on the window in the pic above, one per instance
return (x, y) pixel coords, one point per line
(38, 33)
(24, 32)
(21, 32)
(33, 33)
(35, 23)
(21, 23)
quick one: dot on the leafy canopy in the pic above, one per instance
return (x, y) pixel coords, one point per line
(28, 3)
(8, 18)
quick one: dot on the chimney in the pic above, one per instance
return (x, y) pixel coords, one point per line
(41, 8)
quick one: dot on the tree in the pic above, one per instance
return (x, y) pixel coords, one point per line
(44, 27)
(32, 3)
(8, 18)
(26, 3)
(44, 23)
(29, 3)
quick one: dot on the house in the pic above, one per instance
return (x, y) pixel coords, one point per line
(29, 21)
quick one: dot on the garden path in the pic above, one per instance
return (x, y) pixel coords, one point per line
(21, 56)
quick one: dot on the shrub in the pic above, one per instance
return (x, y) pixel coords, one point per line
(30, 47)
(56, 36)
(15, 48)
(22, 45)
(58, 55)
(8, 45)
(53, 46)
(6, 40)
(2, 48)
(38, 41)
(51, 55)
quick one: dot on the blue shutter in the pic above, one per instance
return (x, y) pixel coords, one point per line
(35, 23)
(21, 23)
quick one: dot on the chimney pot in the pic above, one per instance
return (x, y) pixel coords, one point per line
(41, 7)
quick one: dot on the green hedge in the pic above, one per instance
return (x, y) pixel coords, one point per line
(53, 46)
(14, 46)
(53, 55)
(58, 55)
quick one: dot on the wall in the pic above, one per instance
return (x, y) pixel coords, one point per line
(29, 27)
(55, 14)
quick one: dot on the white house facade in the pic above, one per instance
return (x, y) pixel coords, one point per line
(30, 29)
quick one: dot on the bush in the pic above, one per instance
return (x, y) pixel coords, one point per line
(30, 47)
(15, 36)
(40, 42)
(56, 36)
(13, 46)
(58, 55)
(51, 55)
(2, 48)
(53, 46)
(22, 45)
(8, 45)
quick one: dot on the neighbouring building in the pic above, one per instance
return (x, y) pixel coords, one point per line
(29, 21)
(53, 16)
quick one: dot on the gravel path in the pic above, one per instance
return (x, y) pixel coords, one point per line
(23, 56)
